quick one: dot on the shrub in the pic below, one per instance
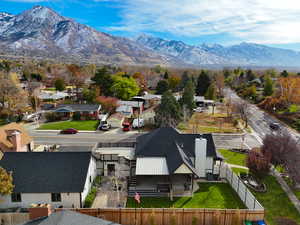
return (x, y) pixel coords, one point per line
(257, 163)
(90, 198)
(50, 117)
(293, 108)
(76, 116)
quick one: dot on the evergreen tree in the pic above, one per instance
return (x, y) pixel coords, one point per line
(203, 83)
(211, 92)
(166, 75)
(250, 75)
(59, 84)
(162, 87)
(168, 113)
(188, 96)
(184, 79)
(268, 87)
(104, 80)
(284, 73)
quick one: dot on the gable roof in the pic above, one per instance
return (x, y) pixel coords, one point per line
(66, 217)
(177, 148)
(47, 172)
(4, 132)
(78, 107)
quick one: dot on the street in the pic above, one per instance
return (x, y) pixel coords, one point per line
(259, 120)
(81, 139)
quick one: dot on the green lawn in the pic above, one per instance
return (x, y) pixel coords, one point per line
(209, 195)
(276, 202)
(79, 125)
(234, 158)
(239, 170)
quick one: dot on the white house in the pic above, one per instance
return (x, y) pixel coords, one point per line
(56, 178)
(168, 162)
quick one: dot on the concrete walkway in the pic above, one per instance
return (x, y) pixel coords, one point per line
(100, 200)
(287, 189)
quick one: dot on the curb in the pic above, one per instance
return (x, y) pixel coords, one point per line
(54, 131)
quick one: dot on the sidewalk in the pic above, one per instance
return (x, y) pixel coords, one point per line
(287, 189)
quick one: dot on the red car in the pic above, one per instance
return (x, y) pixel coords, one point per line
(69, 131)
(126, 126)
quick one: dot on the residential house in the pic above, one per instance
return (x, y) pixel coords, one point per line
(87, 111)
(168, 162)
(128, 108)
(62, 179)
(161, 162)
(14, 138)
(44, 216)
(52, 96)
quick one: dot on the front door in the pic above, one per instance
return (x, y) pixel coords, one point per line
(111, 170)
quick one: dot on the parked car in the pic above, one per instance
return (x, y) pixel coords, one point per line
(138, 123)
(274, 126)
(126, 126)
(104, 125)
(69, 131)
(198, 109)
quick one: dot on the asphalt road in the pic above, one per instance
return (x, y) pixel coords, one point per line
(81, 139)
(259, 120)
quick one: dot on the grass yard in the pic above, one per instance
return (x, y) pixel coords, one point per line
(237, 171)
(209, 195)
(276, 202)
(78, 125)
(208, 123)
(234, 158)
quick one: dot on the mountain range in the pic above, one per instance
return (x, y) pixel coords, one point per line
(42, 32)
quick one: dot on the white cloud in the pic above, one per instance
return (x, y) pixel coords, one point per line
(262, 21)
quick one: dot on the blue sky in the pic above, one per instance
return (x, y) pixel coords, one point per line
(271, 22)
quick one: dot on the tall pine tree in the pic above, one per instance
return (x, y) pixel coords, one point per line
(168, 113)
(187, 98)
(203, 83)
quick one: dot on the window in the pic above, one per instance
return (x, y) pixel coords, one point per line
(16, 197)
(56, 197)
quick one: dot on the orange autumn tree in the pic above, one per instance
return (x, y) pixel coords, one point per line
(289, 89)
(6, 182)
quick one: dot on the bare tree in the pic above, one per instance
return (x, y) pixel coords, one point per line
(242, 109)
(282, 149)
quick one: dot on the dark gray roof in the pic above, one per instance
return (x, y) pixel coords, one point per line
(176, 147)
(75, 148)
(66, 217)
(79, 107)
(47, 172)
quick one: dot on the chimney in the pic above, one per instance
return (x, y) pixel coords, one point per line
(15, 139)
(200, 156)
(39, 210)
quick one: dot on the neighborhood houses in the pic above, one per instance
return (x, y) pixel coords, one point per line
(117, 150)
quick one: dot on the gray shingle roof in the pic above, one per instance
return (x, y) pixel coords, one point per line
(79, 107)
(66, 217)
(47, 172)
(169, 143)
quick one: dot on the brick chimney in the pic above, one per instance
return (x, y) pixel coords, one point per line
(15, 139)
(39, 210)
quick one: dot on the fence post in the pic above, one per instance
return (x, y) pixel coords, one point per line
(231, 176)
(238, 188)
(246, 191)
(254, 203)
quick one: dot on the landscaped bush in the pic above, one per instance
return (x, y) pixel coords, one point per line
(50, 117)
(90, 198)
(76, 116)
(293, 108)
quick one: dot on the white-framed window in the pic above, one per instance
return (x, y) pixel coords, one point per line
(55, 197)
(16, 197)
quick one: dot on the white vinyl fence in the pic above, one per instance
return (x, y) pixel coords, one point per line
(241, 189)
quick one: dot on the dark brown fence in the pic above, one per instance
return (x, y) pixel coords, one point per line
(141, 216)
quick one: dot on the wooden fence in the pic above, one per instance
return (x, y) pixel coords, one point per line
(13, 218)
(142, 216)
